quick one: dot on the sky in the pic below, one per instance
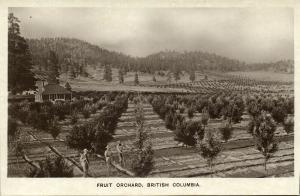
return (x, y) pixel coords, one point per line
(246, 34)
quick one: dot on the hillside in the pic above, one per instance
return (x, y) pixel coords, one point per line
(76, 56)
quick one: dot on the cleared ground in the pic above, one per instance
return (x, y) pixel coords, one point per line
(239, 157)
(264, 75)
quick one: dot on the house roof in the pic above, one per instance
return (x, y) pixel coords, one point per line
(55, 89)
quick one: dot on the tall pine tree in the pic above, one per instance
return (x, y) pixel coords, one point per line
(107, 73)
(53, 68)
(20, 76)
(121, 76)
(136, 78)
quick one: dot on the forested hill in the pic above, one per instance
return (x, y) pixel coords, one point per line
(74, 55)
(286, 66)
(195, 60)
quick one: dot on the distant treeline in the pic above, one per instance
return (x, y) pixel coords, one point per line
(74, 55)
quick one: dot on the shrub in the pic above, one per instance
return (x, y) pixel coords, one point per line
(226, 131)
(81, 137)
(169, 120)
(60, 110)
(190, 112)
(102, 138)
(288, 125)
(185, 132)
(93, 109)
(12, 127)
(39, 121)
(181, 109)
(279, 113)
(234, 111)
(54, 129)
(52, 167)
(74, 117)
(86, 113)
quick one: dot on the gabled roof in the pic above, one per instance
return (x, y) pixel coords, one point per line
(55, 89)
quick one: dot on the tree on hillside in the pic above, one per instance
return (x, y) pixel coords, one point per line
(20, 76)
(192, 76)
(53, 67)
(153, 78)
(121, 76)
(72, 73)
(136, 79)
(169, 77)
(107, 73)
(177, 75)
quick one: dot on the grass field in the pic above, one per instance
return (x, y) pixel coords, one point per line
(95, 80)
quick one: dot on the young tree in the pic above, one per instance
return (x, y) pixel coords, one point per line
(263, 129)
(210, 148)
(20, 76)
(107, 73)
(121, 76)
(142, 160)
(136, 79)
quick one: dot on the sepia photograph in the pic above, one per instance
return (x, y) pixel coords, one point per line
(150, 92)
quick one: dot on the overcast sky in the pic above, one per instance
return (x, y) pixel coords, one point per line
(248, 34)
